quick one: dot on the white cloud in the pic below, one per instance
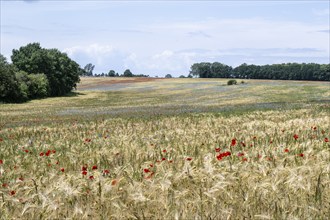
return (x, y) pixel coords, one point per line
(104, 57)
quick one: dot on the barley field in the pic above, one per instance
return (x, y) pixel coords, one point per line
(119, 148)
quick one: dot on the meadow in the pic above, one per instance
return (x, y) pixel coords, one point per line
(119, 148)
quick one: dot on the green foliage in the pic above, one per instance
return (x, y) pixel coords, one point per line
(128, 73)
(10, 90)
(231, 82)
(38, 86)
(88, 70)
(168, 76)
(203, 70)
(62, 72)
(288, 71)
(112, 73)
(36, 73)
(19, 86)
(22, 79)
(219, 70)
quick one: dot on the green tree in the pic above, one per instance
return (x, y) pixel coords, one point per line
(128, 73)
(202, 70)
(88, 69)
(219, 70)
(112, 73)
(168, 76)
(62, 72)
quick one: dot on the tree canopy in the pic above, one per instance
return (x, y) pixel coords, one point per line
(36, 72)
(62, 72)
(285, 71)
(88, 70)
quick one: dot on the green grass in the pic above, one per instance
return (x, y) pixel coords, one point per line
(160, 142)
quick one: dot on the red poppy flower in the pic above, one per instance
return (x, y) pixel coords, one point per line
(62, 169)
(88, 140)
(1, 162)
(21, 178)
(150, 175)
(26, 151)
(189, 158)
(222, 155)
(301, 155)
(106, 171)
(170, 161)
(4, 185)
(240, 154)
(286, 150)
(295, 136)
(53, 151)
(164, 151)
(13, 192)
(91, 177)
(163, 158)
(233, 142)
(244, 159)
(84, 173)
(41, 154)
(94, 167)
(113, 182)
(151, 165)
(146, 170)
(84, 168)
(326, 139)
(217, 149)
(48, 153)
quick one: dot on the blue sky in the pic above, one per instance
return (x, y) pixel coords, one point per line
(160, 37)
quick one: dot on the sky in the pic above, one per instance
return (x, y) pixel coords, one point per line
(166, 37)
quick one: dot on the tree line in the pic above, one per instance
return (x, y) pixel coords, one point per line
(89, 68)
(37, 72)
(285, 71)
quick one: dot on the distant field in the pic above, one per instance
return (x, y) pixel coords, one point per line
(137, 97)
(142, 148)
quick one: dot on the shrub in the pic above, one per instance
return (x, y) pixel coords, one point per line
(10, 88)
(38, 86)
(231, 82)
